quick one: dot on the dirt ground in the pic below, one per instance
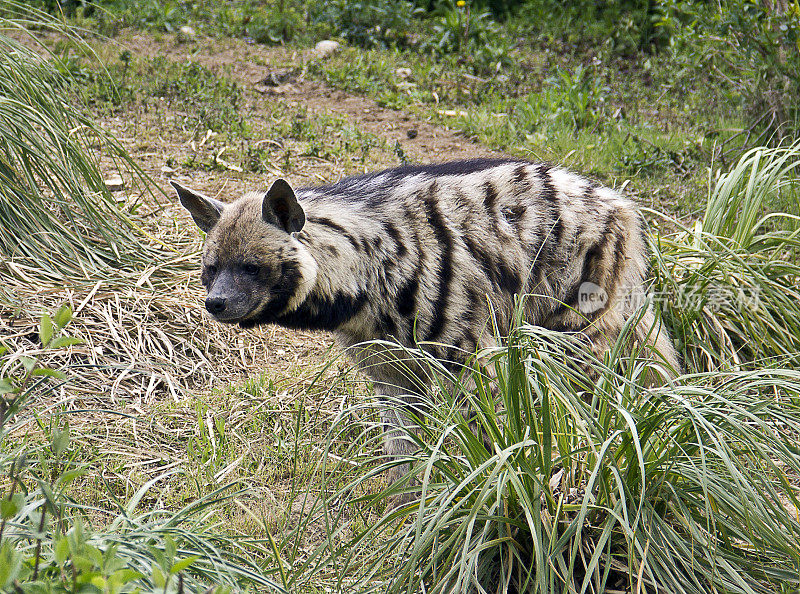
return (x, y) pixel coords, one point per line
(252, 65)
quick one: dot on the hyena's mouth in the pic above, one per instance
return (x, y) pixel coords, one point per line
(223, 319)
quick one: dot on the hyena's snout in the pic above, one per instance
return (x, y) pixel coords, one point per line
(227, 301)
(216, 305)
(227, 307)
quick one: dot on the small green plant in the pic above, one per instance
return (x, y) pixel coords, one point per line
(576, 98)
(275, 27)
(154, 14)
(471, 34)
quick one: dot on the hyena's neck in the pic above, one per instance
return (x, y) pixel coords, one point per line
(339, 292)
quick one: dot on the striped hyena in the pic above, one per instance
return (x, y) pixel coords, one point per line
(424, 255)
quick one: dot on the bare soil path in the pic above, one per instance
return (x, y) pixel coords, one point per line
(252, 64)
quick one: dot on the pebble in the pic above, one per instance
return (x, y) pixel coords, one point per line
(403, 72)
(326, 48)
(114, 183)
(187, 33)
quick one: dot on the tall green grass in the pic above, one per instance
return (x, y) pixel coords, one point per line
(58, 220)
(729, 285)
(686, 488)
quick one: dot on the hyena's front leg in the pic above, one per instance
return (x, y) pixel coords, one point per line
(397, 410)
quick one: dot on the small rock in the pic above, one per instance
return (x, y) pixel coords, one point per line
(167, 170)
(412, 133)
(280, 352)
(114, 183)
(187, 33)
(403, 72)
(326, 48)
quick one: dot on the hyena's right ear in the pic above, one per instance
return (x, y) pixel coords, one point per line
(204, 210)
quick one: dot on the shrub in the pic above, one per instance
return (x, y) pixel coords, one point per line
(627, 27)
(278, 27)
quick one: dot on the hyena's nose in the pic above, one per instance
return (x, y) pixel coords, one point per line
(215, 305)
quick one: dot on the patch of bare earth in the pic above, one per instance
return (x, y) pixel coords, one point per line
(264, 70)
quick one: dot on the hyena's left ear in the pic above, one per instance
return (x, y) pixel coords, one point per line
(204, 210)
(281, 208)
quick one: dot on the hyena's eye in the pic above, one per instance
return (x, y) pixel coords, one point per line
(211, 270)
(251, 269)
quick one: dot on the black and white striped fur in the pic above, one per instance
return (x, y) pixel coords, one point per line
(417, 254)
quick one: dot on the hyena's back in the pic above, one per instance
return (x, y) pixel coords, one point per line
(434, 246)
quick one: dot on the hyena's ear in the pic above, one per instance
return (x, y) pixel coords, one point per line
(204, 210)
(281, 207)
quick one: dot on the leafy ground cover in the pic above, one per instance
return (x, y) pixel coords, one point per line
(175, 438)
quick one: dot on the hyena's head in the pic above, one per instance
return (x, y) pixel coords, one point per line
(254, 269)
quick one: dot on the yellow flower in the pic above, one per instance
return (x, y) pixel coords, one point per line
(461, 3)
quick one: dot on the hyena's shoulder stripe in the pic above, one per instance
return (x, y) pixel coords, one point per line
(490, 202)
(552, 253)
(445, 241)
(326, 312)
(394, 234)
(521, 175)
(339, 229)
